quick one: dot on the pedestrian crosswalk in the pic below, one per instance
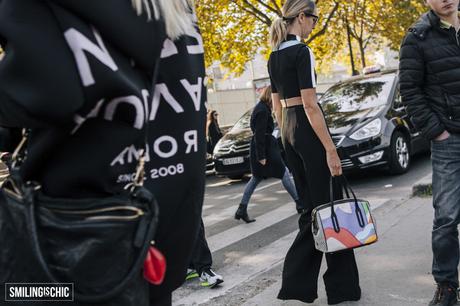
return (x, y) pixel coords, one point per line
(241, 231)
(243, 253)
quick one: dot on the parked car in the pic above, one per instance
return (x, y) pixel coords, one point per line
(369, 124)
(231, 153)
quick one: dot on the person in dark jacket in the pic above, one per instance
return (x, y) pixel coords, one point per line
(265, 156)
(213, 132)
(176, 174)
(86, 95)
(430, 88)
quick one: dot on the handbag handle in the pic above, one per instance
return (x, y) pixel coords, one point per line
(346, 187)
(29, 194)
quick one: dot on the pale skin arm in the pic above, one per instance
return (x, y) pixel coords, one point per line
(276, 101)
(316, 119)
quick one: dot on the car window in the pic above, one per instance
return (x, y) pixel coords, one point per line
(243, 123)
(358, 95)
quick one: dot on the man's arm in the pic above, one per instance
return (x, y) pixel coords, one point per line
(411, 80)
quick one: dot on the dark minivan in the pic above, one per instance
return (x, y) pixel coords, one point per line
(369, 124)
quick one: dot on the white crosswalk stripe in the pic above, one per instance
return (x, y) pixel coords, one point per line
(242, 231)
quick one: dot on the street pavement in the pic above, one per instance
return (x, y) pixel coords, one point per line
(394, 271)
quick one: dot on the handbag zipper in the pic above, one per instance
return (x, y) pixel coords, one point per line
(137, 213)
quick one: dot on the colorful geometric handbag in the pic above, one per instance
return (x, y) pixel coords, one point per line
(343, 224)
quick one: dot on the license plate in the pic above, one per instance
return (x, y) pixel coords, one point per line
(233, 161)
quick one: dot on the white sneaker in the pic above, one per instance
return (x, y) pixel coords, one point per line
(210, 279)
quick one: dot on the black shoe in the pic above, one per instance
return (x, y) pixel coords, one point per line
(299, 207)
(445, 295)
(242, 213)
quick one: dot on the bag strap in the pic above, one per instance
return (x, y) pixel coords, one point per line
(346, 186)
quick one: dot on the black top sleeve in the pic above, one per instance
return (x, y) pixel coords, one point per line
(272, 84)
(305, 69)
(261, 120)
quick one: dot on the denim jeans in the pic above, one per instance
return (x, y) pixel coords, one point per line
(445, 157)
(254, 181)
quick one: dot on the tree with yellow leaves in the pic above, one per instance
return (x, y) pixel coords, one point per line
(235, 30)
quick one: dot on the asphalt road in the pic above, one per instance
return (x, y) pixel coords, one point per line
(250, 256)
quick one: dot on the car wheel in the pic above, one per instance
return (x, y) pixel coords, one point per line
(236, 177)
(399, 153)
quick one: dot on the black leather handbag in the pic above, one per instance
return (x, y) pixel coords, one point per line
(99, 244)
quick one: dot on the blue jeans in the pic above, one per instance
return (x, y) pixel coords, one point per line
(254, 181)
(445, 157)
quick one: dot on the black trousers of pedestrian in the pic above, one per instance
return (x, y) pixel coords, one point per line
(307, 158)
(201, 256)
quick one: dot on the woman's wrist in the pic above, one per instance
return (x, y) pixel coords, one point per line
(331, 149)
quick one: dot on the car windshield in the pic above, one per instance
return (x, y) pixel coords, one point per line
(243, 123)
(358, 95)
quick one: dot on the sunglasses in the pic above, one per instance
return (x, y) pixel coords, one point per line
(315, 18)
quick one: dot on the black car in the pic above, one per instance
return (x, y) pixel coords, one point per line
(369, 124)
(231, 153)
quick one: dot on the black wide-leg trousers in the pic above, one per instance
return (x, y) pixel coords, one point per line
(201, 256)
(307, 159)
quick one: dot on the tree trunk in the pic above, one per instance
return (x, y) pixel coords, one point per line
(363, 53)
(352, 59)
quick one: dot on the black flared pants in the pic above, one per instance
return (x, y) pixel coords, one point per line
(307, 159)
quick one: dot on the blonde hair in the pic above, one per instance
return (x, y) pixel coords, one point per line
(178, 15)
(291, 9)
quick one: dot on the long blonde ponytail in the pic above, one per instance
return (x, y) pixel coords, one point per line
(291, 9)
(178, 15)
(278, 32)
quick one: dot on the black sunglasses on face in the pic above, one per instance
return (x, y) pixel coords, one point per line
(315, 18)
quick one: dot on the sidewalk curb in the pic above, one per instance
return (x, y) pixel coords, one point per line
(423, 187)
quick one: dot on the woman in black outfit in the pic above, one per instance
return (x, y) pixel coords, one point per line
(213, 132)
(311, 154)
(265, 156)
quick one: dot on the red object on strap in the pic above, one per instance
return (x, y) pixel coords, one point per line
(154, 266)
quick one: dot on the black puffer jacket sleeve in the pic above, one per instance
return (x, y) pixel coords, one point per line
(411, 75)
(261, 120)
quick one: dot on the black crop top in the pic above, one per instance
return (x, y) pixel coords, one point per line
(291, 68)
